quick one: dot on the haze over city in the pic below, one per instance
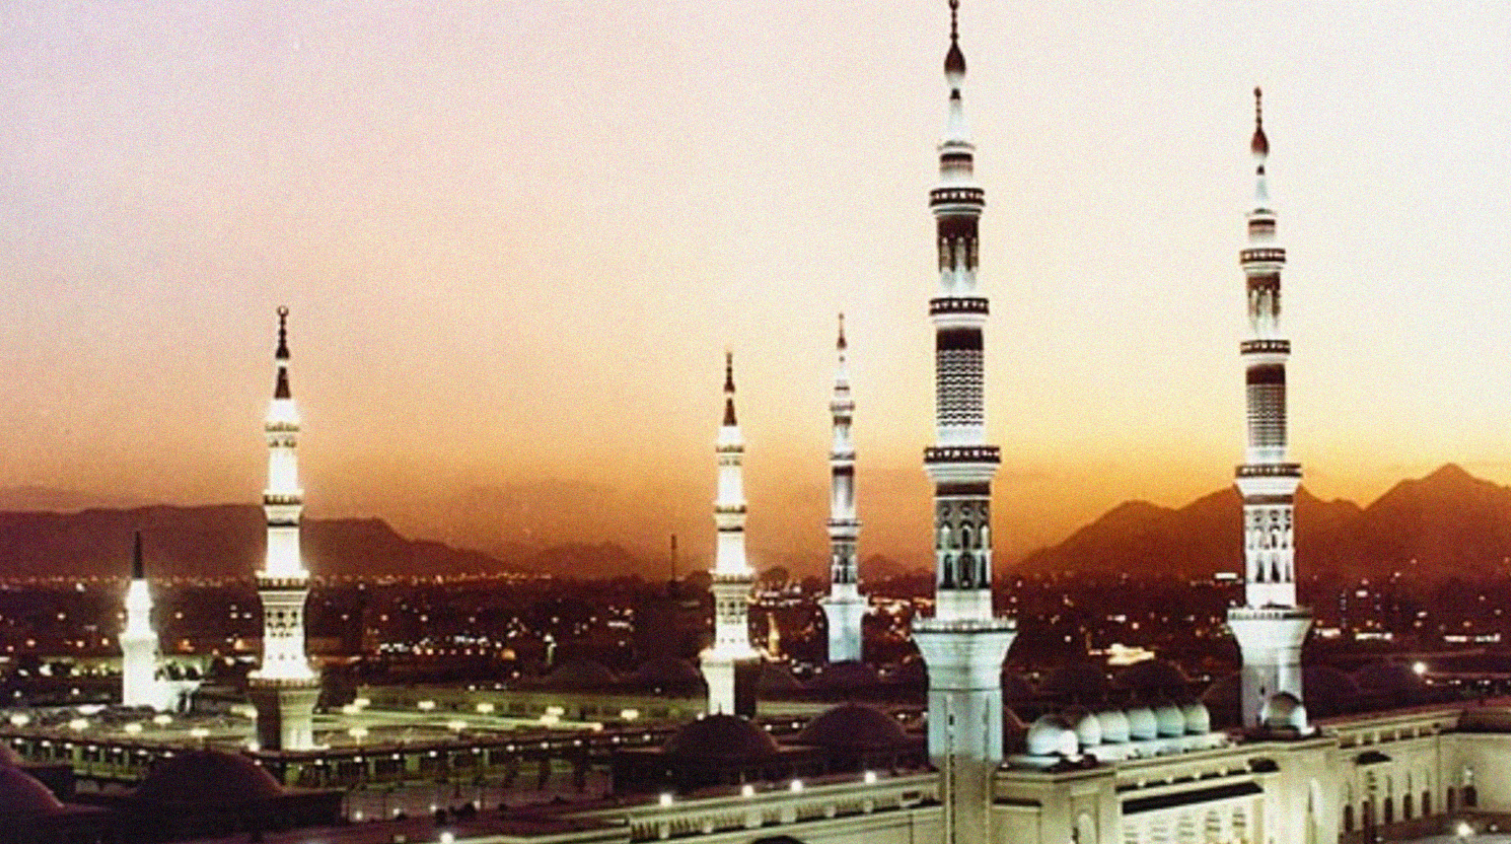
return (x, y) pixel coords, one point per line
(516, 240)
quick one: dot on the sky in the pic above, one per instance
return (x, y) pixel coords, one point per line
(516, 239)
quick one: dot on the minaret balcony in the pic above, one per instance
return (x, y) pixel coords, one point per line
(959, 305)
(1265, 347)
(1269, 470)
(1262, 255)
(970, 198)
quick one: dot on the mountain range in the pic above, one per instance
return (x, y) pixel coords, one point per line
(1446, 522)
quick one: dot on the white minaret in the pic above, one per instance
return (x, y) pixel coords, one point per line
(963, 644)
(732, 577)
(1270, 628)
(285, 687)
(844, 607)
(139, 648)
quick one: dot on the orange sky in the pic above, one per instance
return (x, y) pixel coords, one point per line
(517, 237)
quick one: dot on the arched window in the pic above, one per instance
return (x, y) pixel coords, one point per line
(1348, 818)
(1390, 810)
(1426, 803)
(1406, 807)
(1471, 797)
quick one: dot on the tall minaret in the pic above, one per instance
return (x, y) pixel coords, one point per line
(1270, 628)
(728, 662)
(844, 607)
(139, 648)
(963, 645)
(284, 688)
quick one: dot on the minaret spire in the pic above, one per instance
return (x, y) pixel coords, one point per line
(728, 662)
(284, 687)
(1270, 627)
(139, 642)
(844, 607)
(963, 644)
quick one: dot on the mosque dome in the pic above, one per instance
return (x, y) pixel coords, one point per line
(854, 727)
(1114, 724)
(22, 795)
(1051, 735)
(1142, 725)
(1087, 728)
(846, 675)
(8, 755)
(668, 671)
(1284, 711)
(1169, 720)
(723, 737)
(1153, 677)
(1084, 682)
(581, 674)
(1198, 718)
(207, 778)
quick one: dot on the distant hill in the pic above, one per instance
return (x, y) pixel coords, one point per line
(1447, 522)
(215, 541)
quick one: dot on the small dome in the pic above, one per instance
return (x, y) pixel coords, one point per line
(22, 795)
(1115, 727)
(1153, 677)
(726, 737)
(1284, 711)
(776, 678)
(668, 671)
(1087, 728)
(581, 674)
(854, 727)
(207, 778)
(8, 755)
(1084, 682)
(846, 675)
(1169, 720)
(1198, 719)
(1142, 725)
(1015, 688)
(1051, 735)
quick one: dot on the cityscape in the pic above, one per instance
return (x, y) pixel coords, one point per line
(634, 545)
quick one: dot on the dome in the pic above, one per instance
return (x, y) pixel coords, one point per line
(22, 795)
(1198, 719)
(1114, 724)
(1284, 711)
(846, 675)
(1087, 728)
(1391, 677)
(581, 674)
(1142, 725)
(207, 778)
(1079, 682)
(728, 737)
(1153, 676)
(8, 755)
(1051, 735)
(854, 727)
(1015, 688)
(776, 678)
(668, 671)
(1169, 720)
(1328, 690)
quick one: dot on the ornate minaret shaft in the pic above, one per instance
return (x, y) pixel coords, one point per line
(844, 607)
(963, 645)
(728, 661)
(284, 687)
(1270, 628)
(139, 644)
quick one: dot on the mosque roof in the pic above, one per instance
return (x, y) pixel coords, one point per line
(854, 727)
(208, 778)
(721, 737)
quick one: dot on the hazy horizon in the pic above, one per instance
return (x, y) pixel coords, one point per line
(516, 240)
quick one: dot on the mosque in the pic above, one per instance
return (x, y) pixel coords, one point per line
(1144, 770)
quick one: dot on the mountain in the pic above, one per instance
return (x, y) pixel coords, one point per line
(1447, 521)
(1200, 539)
(215, 541)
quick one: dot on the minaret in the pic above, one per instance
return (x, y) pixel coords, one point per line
(139, 648)
(844, 607)
(963, 645)
(729, 661)
(1270, 628)
(284, 688)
